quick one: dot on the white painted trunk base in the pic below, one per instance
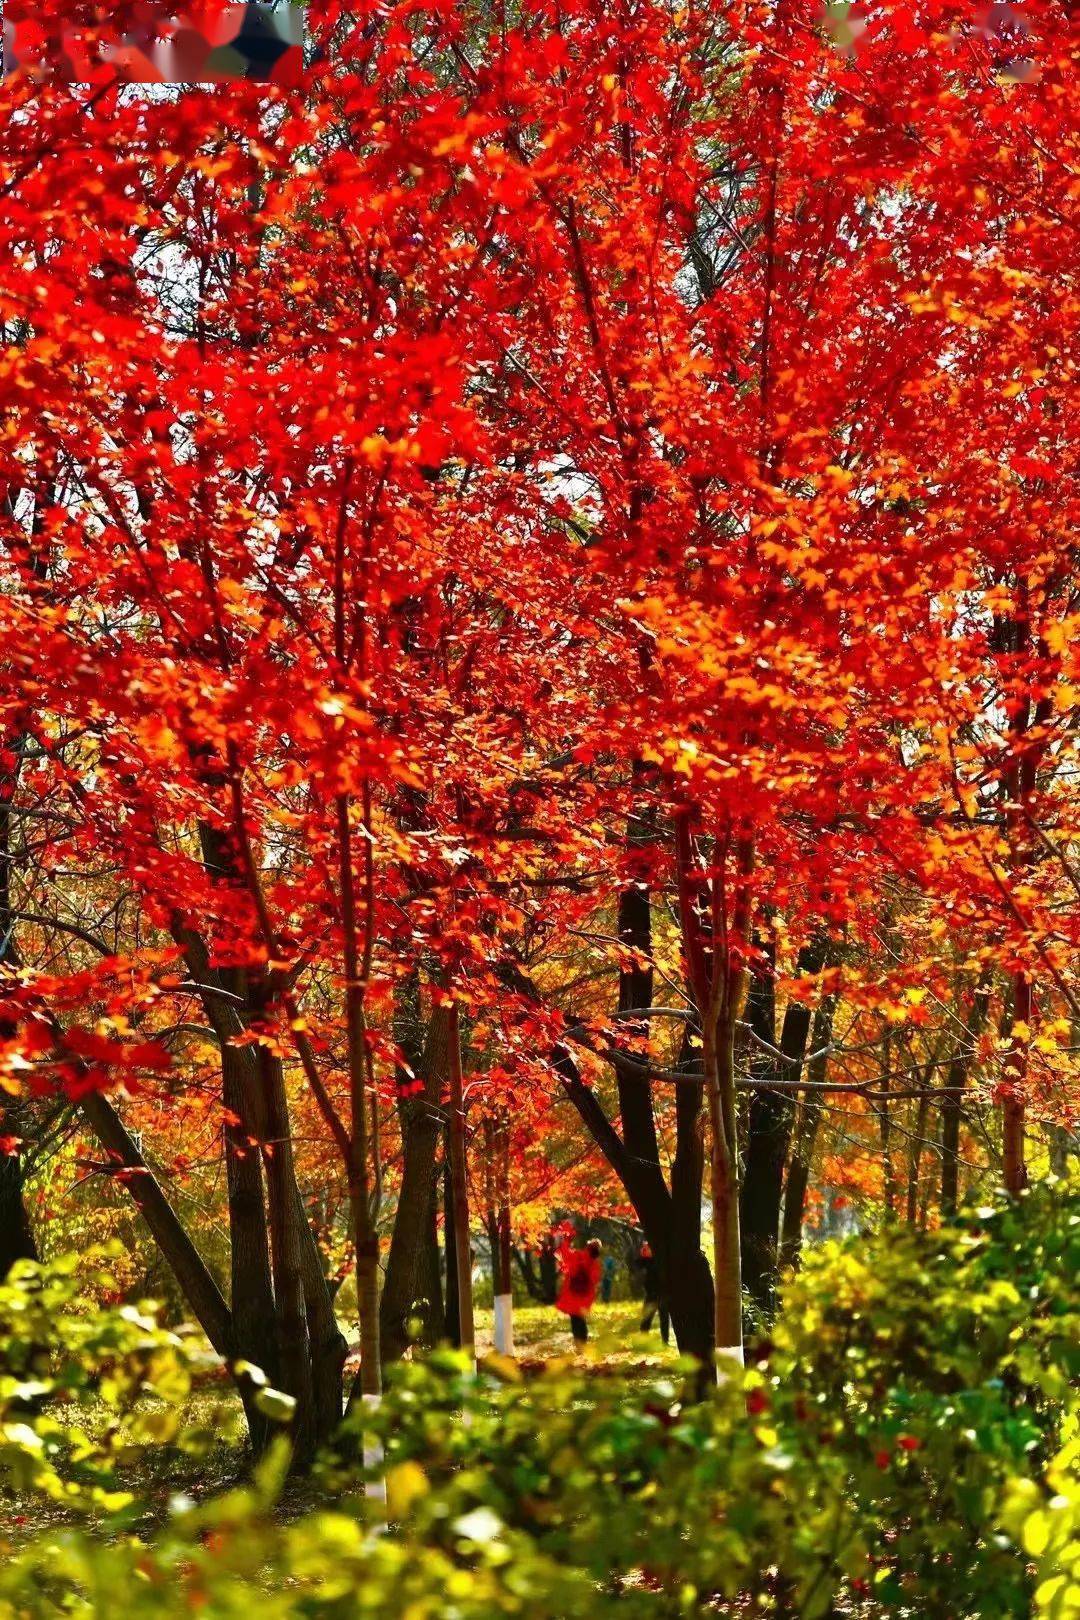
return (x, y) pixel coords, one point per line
(728, 1352)
(504, 1324)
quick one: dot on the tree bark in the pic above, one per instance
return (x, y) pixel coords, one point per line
(196, 1283)
(251, 1291)
(805, 1135)
(293, 1335)
(690, 1284)
(459, 1186)
(451, 1307)
(769, 1121)
(1013, 1163)
(327, 1343)
(16, 1233)
(421, 1124)
(719, 1067)
(497, 1186)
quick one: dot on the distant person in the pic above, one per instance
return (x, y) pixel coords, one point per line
(607, 1278)
(580, 1282)
(654, 1296)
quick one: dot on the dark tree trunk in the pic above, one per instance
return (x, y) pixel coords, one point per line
(283, 1311)
(671, 1219)
(770, 1118)
(533, 1286)
(421, 1119)
(451, 1314)
(430, 1299)
(16, 1234)
(328, 1347)
(196, 1283)
(804, 1138)
(251, 1290)
(690, 1284)
(293, 1334)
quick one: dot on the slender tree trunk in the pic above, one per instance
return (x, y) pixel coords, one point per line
(892, 1180)
(1013, 1164)
(278, 1287)
(769, 1121)
(433, 1310)
(952, 1108)
(915, 1156)
(357, 964)
(719, 1066)
(16, 1233)
(671, 1221)
(451, 1307)
(503, 1280)
(188, 1267)
(460, 1189)
(805, 1136)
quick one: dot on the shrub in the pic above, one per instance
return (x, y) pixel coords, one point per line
(906, 1444)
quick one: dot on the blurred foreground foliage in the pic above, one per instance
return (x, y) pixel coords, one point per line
(906, 1443)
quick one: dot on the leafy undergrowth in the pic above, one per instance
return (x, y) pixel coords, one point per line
(906, 1445)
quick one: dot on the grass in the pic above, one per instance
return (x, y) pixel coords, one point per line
(541, 1333)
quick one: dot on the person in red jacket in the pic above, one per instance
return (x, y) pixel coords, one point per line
(580, 1281)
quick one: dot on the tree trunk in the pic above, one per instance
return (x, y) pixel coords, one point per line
(421, 1123)
(327, 1342)
(690, 1284)
(293, 1335)
(719, 1066)
(251, 1291)
(770, 1118)
(277, 1280)
(502, 1279)
(806, 1129)
(459, 1186)
(911, 1211)
(1013, 1165)
(952, 1108)
(16, 1234)
(451, 1308)
(430, 1300)
(195, 1281)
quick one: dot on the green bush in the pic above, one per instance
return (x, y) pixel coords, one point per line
(91, 1398)
(906, 1444)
